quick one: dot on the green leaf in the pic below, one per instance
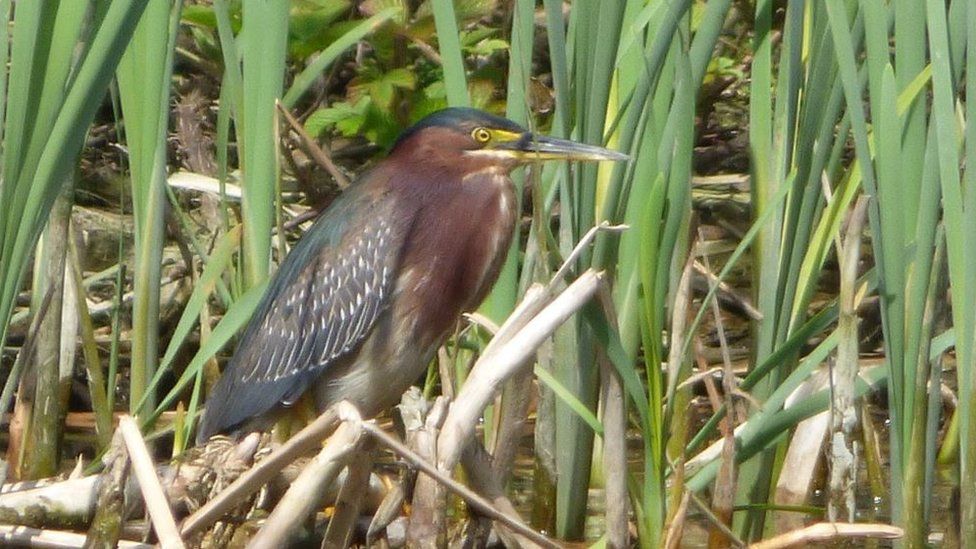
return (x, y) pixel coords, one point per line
(564, 394)
(307, 20)
(488, 47)
(381, 86)
(347, 118)
(199, 15)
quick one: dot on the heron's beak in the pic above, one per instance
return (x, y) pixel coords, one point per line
(531, 147)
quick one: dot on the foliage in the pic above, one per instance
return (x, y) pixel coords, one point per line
(841, 106)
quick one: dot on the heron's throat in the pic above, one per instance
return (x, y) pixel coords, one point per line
(460, 246)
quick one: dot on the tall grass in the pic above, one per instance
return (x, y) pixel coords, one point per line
(61, 58)
(262, 45)
(144, 76)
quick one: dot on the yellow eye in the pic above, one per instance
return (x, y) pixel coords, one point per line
(481, 135)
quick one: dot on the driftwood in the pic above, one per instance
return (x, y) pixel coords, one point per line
(67, 505)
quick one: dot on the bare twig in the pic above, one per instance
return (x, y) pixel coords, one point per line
(482, 321)
(497, 365)
(428, 523)
(476, 501)
(582, 245)
(22, 536)
(825, 531)
(716, 522)
(304, 493)
(349, 502)
(152, 491)
(388, 511)
(316, 151)
(679, 328)
(106, 526)
(477, 463)
(537, 296)
(305, 441)
(672, 540)
(723, 496)
(843, 447)
(427, 50)
(26, 352)
(510, 420)
(723, 289)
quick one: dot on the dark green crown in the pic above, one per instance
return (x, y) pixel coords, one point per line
(462, 118)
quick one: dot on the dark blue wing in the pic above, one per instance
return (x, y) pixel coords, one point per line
(321, 305)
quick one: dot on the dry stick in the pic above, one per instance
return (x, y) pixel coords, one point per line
(428, 522)
(107, 521)
(715, 521)
(23, 536)
(498, 365)
(388, 511)
(672, 540)
(614, 441)
(303, 494)
(305, 441)
(514, 409)
(152, 491)
(724, 289)
(26, 351)
(482, 505)
(477, 463)
(316, 151)
(427, 50)
(843, 453)
(825, 531)
(537, 296)
(679, 328)
(584, 242)
(349, 502)
(723, 498)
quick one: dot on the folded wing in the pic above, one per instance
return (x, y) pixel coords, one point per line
(322, 304)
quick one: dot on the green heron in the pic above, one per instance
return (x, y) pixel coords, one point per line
(359, 307)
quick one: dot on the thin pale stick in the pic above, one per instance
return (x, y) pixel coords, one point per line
(349, 502)
(582, 245)
(724, 289)
(496, 366)
(303, 494)
(826, 531)
(715, 521)
(477, 464)
(614, 439)
(316, 151)
(23, 536)
(675, 530)
(152, 491)
(482, 505)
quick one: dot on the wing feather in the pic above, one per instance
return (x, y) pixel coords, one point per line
(315, 312)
